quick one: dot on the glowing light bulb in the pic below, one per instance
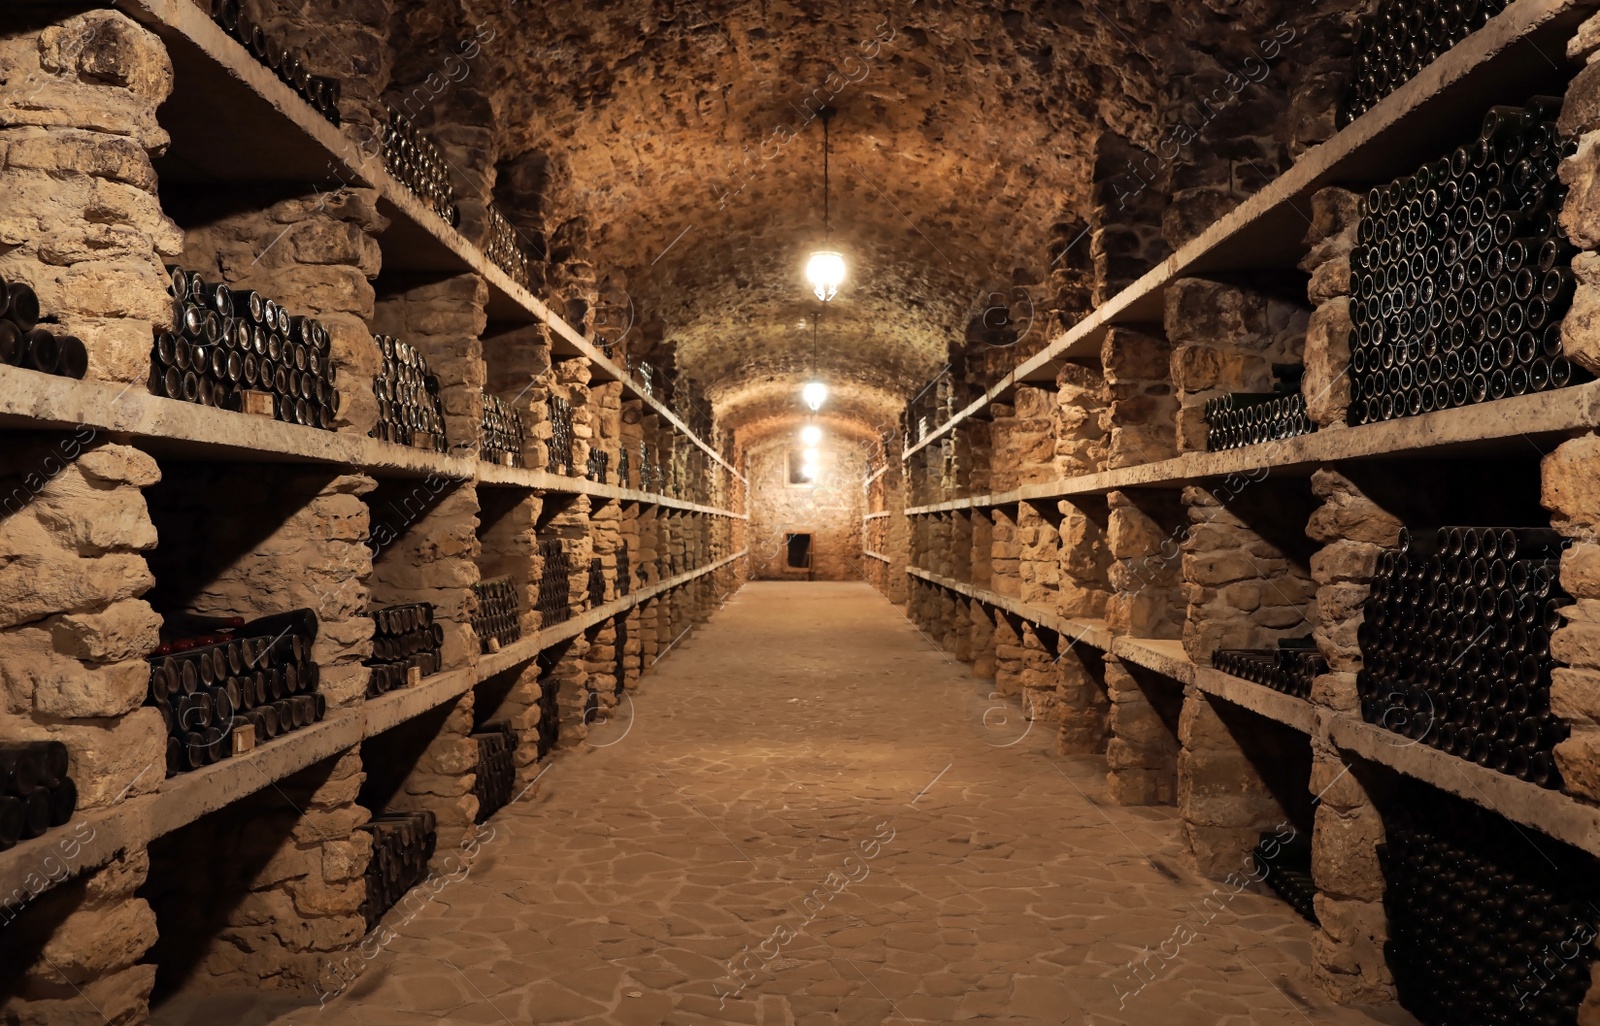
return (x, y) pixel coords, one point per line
(809, 471)
(825, 272)
(811, 455)
(815, 393)
(810, 434)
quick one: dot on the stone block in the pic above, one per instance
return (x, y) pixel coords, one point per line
(1129, 355)
(1326, 384)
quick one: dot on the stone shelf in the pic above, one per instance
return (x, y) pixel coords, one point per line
(231, 119)
(131, 824)
(1274, 705)
(1500, 63)
(520, 652)
(493, 474)
(1505, 424)
(875, 516)
(169, 428)
(1090, 632)
(1549, 812)
(876, 555)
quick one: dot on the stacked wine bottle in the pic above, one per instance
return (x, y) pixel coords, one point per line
(225, 344)
(624, 568)
(36, 792)
(1286, 865)
(1248, 418)
(404, 637)
(416, 161)
(1455, 645)
(496, 773)
(549, 703)
(1483, 927)
(25, 343)
(1289, 668)
(597, 583)
(624, 471)
(504, 247)
(498, 620)
(647, 481)
(410, 411)
(560, 437)
(320, 91)
(555, 583)
(1461, 275)
(1399, 38)
(598, 464)
(622, 655)
(221, 672)
(402, 844)
(502, 432)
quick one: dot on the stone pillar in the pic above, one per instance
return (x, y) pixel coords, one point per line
(1347, 959)
(1024, 440)
(1137, 419)
(1570, 492)
(1224, 795)
(508, 545)
(76, 952)
(1335, 215)
(1353, 529)
(82, 223)
(1142, 754)
(1039, 553)
(1144, 533)
(575, 697)
(1082, 445)
(1082, 698)
(1008, 633)
(1125, 219)
(74, 630)
(1004, 562)
(1355, 522)
(1085, 558)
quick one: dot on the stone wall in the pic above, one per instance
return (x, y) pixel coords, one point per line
(829, 509)
(1225, 339)
(1245, 568)
(82, 223)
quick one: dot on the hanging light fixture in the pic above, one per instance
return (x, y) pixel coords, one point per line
(825, 269)
(814, 392)
(810, 435)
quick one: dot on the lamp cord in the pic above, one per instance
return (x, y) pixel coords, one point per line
(827, 223)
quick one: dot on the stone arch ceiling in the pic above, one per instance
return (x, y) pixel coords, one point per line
(964, 135)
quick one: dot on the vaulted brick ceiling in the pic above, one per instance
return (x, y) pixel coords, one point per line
(963, 134)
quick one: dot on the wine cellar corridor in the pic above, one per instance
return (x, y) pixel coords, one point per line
(817, 846)
(1069, 513)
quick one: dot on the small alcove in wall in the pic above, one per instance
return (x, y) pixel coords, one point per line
(797, 551)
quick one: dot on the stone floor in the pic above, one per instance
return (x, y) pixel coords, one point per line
(811, 816)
